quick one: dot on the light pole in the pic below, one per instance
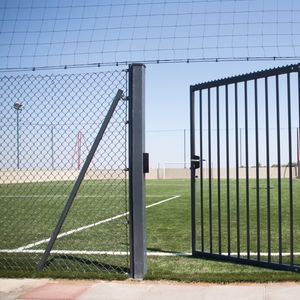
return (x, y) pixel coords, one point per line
(18, 106)
(184, 148)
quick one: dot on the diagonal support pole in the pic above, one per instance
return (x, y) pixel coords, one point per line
(78, 181)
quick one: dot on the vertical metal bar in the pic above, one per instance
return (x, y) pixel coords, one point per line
(201, 172)
(298, 129)
(193, 171)
(247, 170)
(219, 173)
(298, 154)
(290, 170)
(268, 169)
(257, 171)
(136, 170)
(237, 169)
(298, 148)
(209, 173)
(78, 181)
(279, 171)
(227, 172)
(241, 148)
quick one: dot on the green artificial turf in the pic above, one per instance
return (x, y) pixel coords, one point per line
(29, 212)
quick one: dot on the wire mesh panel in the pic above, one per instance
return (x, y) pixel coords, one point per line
(48, 125)
(246, 199)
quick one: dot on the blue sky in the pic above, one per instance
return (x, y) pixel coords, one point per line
(168, 102)
(44, 33)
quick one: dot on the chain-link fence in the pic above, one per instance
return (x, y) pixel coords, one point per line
(48, 126)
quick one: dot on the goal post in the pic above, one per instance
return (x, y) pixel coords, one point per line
(176, 170)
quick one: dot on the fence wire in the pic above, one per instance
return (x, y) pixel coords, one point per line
(54, 34)
(48, 125)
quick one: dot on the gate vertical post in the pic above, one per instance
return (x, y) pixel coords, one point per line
(136, 170)
(193, 171)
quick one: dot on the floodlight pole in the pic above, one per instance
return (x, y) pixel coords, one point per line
(18, 106)
(184, 147)
(298, 150)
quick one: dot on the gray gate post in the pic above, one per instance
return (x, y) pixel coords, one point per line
(136, 170)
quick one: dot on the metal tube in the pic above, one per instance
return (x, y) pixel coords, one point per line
(298, 154)
(268, 169)
(290, 170)
(298, 149)
(201, 172)
(193, 171)
(219, 174)
(247, 170)
(279, 171)
(227, 172)
(237, 170)
(210, 174)
(257, 171)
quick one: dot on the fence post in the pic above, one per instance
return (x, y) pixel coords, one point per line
(136, 170)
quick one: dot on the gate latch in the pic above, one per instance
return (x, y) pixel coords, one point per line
(146, 162)
(195, 162)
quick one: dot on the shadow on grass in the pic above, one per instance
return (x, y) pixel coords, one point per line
(174, 253)
(95, 264)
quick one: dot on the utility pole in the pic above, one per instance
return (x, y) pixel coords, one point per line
(184, 147)
(18, 106)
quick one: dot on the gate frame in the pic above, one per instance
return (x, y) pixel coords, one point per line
(197, 160)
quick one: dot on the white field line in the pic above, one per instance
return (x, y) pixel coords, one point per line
(122, 253)
(78, 196)
(90, 225)
(86, 252)
(163, 201)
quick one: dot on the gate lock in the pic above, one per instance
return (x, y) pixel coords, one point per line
(195, 162)
(146, 162)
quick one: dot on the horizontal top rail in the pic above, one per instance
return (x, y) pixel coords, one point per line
(246, 77)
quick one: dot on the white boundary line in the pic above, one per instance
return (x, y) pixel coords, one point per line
(122, 253)
(90, 225)
(78, 196)
(163, 201)
(87, 252)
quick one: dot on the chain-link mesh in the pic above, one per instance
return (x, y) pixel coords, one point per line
(48, 125)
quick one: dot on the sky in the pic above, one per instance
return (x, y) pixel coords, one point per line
(242, 35)
(167, 103)
(37, 33)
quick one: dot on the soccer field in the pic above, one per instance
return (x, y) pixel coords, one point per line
(96, 228)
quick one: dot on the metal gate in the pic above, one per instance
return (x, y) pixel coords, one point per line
(245, 168)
